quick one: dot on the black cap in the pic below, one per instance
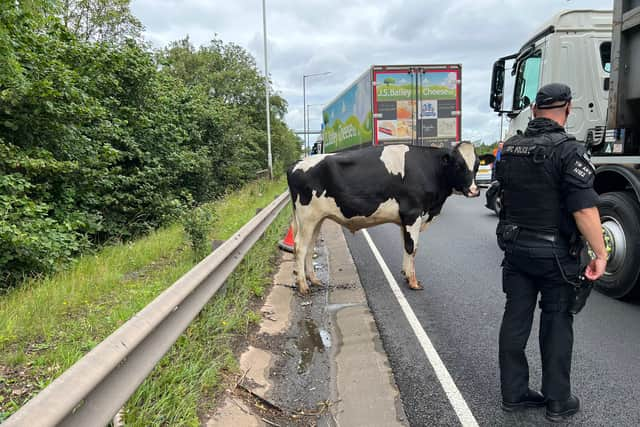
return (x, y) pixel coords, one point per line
(552, 93)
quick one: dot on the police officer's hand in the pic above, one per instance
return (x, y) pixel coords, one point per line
(595, 269)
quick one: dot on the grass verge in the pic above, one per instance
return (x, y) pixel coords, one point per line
(48, 324)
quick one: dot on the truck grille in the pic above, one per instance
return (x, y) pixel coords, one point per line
(595, 135)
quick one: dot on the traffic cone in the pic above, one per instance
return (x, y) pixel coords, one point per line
(287, 243)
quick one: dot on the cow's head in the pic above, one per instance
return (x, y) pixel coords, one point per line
(462, 167)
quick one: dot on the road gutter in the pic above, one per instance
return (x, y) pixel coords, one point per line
(362, 380)
(346, 382)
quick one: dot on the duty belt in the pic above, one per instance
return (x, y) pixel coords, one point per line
(525, 234)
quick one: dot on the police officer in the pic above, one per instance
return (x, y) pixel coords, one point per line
(548, 201)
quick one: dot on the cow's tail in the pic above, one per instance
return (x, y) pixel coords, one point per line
(294, 225)
(294, 218)
(289, 184)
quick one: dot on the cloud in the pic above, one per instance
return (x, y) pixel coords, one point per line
(313, 36)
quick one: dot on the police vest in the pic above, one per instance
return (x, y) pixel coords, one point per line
(531, 192)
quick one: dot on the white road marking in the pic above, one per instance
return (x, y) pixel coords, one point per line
(453, 394)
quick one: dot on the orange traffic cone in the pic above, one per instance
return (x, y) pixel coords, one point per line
(287, 243)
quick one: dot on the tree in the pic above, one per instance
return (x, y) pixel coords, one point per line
(100, 20)
(228, 77)
(106, 140)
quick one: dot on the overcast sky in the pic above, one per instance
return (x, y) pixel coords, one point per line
(347, 36)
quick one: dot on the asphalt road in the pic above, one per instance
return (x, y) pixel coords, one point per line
(460, 309)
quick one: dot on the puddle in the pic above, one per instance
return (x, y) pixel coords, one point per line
(326, 338)
(308, 343)
(340, 306)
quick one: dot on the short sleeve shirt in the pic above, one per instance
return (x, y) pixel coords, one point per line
(577, 176)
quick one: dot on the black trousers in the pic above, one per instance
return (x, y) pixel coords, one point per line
(527, 271)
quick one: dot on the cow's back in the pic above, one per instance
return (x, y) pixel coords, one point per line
(356, 180)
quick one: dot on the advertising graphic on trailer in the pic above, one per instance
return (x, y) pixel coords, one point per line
(419, 107)
(347, 121)
(411, 104)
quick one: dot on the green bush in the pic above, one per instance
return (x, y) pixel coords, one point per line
(197, 224)
(30, 240)
(103, 140)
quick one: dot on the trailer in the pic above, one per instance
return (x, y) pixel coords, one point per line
(596, 53)
(411, 104)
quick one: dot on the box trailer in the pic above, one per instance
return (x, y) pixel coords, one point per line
(411, 104)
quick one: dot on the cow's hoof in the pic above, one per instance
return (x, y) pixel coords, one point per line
(315, 282)
(303, 288)
(417, 287)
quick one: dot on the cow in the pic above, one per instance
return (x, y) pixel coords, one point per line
(402, 184)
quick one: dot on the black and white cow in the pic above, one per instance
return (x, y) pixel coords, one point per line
(403, 184)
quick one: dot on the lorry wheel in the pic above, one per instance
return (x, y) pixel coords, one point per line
(493, 198)
(620, 217)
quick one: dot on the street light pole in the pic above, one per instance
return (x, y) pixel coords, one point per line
(308, 118)
(304, 114)
(304, 106)
(266, 86)
(308, 129)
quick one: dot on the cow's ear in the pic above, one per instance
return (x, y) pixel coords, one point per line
(447, 159)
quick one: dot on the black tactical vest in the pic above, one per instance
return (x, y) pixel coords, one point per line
(530, 190)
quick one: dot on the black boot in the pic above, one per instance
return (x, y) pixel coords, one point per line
(531, 399)
(559, 410)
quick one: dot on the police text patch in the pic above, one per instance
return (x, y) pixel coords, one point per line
(581, 170)
(519, 150)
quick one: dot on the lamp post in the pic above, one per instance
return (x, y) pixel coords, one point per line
(266, 85)
(304, 106)
(308, 110)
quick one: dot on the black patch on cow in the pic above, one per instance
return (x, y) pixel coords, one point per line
(408, 241)
(359, 182)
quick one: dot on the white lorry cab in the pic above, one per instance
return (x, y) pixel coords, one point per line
(596, 53)
(574, 48)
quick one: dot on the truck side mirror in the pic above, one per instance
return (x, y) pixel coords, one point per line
(497, 85)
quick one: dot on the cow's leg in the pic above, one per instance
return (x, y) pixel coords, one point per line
(303, 240)
(311, 272)
(406, 258)
(411, 233)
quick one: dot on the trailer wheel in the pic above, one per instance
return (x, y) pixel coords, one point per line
(620, 217)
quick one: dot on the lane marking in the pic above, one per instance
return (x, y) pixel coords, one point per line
(453, 394)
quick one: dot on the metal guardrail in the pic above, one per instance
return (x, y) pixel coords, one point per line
(98, 385)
